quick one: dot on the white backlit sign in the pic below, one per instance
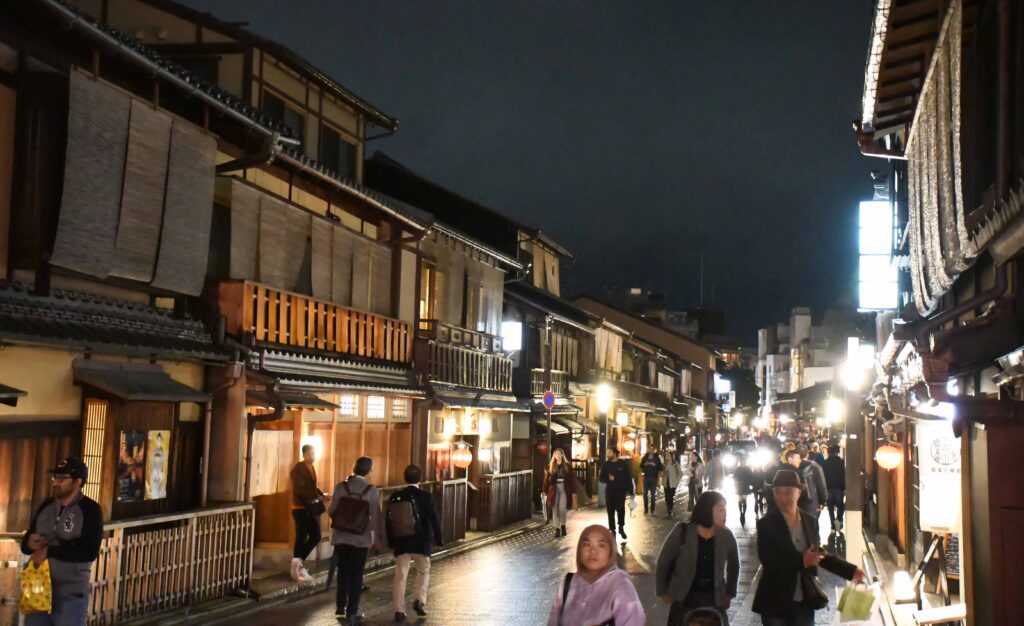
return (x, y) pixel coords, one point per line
(878, 276)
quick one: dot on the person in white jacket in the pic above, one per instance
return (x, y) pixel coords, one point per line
(695, 472)
(673, 476)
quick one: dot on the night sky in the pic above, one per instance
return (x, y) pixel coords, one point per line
(637, 134)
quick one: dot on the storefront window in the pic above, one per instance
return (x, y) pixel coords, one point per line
(375, 407)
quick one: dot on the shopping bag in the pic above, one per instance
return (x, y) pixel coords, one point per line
(856, 602)
(36, 588)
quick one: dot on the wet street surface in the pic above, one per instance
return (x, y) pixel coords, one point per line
(514, 581)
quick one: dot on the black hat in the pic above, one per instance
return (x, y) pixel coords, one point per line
(73, 467)
(787, 478)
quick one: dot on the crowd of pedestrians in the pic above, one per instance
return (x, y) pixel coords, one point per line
(697, 568)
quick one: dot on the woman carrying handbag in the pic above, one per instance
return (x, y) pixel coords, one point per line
(787, 544)
(699, 565)
(558, 489)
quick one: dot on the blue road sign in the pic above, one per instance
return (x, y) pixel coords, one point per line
(549, 400)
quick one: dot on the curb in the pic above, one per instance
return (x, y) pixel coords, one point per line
(217, 611)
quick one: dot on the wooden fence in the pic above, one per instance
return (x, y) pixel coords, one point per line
(504, 499)
(165, 562)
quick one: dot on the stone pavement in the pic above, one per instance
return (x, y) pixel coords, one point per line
(514, 581)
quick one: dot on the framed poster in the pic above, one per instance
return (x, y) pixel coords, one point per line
(157, 454)
(131, 462)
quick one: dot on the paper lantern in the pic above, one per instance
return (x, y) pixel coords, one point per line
(889, 457)
(542, 447)
(462, 457)
(629, 445)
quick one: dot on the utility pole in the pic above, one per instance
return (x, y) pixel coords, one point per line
(547, 376)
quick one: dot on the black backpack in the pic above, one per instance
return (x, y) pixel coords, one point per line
(403, 517)
(352, 512)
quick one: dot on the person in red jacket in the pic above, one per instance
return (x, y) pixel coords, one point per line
(559, 487)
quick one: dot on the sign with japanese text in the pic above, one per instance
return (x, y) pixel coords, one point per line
(939, 462)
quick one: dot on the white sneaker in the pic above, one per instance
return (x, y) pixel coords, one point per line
(304, 576)
(296, 566)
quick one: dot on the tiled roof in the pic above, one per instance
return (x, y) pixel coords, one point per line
(182, 73)
(75, 319)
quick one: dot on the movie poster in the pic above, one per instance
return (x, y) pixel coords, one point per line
(131, 465)
(157, 453)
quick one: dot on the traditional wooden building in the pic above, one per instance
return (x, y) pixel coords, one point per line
(190, 265)
(942, 103)
(659, 363)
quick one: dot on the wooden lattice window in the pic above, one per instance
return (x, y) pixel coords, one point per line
(93, 440)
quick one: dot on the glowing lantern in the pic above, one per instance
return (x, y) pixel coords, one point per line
(889, 457)
(462, 457)
(629, 445)
(542, 447)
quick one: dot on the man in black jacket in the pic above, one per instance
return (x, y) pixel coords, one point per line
(414, 549)
(67, 529)
(651, 466)
(787, 546)
(617, 476)
(835, 480)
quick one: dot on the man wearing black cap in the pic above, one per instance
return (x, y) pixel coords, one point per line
(67, 529)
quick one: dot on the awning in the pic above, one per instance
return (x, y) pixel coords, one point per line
(556, 428)
(134, 382)
(10, 395)
(292, 400)
(577, 423)
(562, 407)
(453, 400)
(657, 423)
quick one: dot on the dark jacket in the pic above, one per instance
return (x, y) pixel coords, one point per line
(304, 489)
(550, 485)
(816, 493)
(746, 484)
(617, 476)
(781, 562)
(430, 525)
(651, 466)
(74, 535)
(835, 472)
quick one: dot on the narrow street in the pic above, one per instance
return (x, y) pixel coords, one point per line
(514, 581)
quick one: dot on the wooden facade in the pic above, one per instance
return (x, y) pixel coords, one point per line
(942, 102)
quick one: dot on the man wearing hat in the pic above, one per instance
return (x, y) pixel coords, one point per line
(787, 543)
(67, 529)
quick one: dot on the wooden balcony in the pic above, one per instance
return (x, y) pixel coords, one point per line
(291, 319)
(462, 357)
(559, 382)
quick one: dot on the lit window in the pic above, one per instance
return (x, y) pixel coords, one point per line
(349, 405)
(512, 336)
(399, 409)
(375, 407)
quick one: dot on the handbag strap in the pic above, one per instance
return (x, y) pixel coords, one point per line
(565, 595)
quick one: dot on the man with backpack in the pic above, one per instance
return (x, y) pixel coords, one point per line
(356, 526)
(413, 527)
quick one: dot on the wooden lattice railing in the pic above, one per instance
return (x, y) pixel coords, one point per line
(291, 319)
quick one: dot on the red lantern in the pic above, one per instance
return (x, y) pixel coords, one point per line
(462, 457)
(889, 457)
(542, 447)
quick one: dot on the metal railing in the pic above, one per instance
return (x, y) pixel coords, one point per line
(504, 499)
(559, 382)
(292, 319)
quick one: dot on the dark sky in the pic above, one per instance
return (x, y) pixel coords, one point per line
(637, 134)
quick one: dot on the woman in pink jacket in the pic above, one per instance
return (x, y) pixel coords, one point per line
(598, 592)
